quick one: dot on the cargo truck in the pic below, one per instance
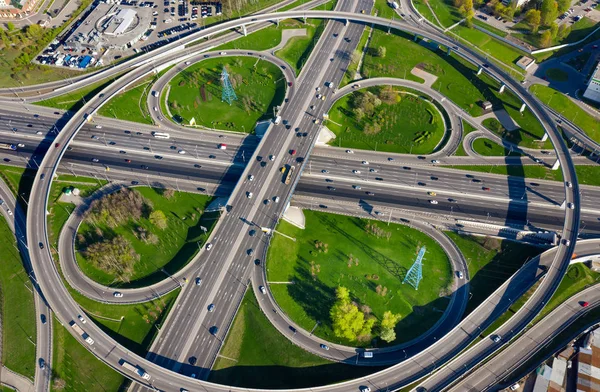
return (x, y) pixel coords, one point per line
(81, 332)
(135, 369)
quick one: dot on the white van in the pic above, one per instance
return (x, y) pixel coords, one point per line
(368, 354)
(161, 135)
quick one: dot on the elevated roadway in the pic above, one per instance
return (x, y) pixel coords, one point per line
(444, 348)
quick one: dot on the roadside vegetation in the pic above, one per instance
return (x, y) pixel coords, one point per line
(256, 355)
(75, 369)
(487, 147)
(491, 262)
(17, 307)
(130, 104)
(569, 109)
(365, 262)
(74, 100)
(455, 78)
(129, 236)
(196, 93)
(18, 47)
(386, 119)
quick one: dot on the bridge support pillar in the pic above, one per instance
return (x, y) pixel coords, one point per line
(556, 165)
(479, 71)
(416, 38)
(545, 137)
(502, 88)
(346, 22)
(304, 19)
(244, 30)
(277, 22)
(523, 106)
(449, 52)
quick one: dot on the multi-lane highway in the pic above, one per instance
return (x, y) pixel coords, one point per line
(410, 370)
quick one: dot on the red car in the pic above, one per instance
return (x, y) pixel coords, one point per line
(290, 84)
(585, 304)
(293, 152)
(128, 160)
(485, 188)
(56, 145)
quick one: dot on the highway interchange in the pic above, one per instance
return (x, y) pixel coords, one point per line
(179, 347)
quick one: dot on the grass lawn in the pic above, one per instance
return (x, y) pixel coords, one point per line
(489, 148)
(382, 263)
(445, 11)
(557, 75)
(384, 10)
(262, 39)
(467, 128)
(456, 79)
(489, 28)
(73, 100)
(412, 125)
(491, 261)
(18, 311)
(134, 326)
(256, 355)
(570, 110)
(176, 246)
(80, 369)
(196, 93)
(131, 104)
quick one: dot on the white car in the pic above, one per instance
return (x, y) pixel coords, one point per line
(208, 246)
(81, 319)
(365, 162)
(250, 177)
(349, 152)
(356, 186)
(271, 157)
(117, 294)
(263, 290)
(356, 171)
(222, 53)
(98, 126)
(38, 133)
(496, 338)
(182, 152)
(365, 389)
(95, 160)
(155, 109)
(435, 161)
(20, 145)
(460, 274)
(276, 199)
(568, 184)
(373, 170)
(433, 201)
(249, 195)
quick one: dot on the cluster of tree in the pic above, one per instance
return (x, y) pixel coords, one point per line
(377, 231)
(546, 16)
(465, 7)
(321, 247)
(364, 104)
(119, 207)
(354, 323)
(115, 256)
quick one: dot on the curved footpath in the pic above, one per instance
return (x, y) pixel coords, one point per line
(412, 369)
(16, 222)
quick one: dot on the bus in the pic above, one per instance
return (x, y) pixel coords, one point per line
(7, 146)
(288, 177)
(161, 135)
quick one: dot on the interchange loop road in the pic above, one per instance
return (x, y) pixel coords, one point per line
(410, 370)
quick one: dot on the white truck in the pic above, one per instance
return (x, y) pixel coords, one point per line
(135, 369)
(394, 5)
(277, 120)
(81, 332)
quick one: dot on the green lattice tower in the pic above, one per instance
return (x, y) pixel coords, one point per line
(228, 94)
(415, 273)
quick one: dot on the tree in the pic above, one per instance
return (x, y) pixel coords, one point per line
(348, 321)
(546, 39)
(158, 219)
(466, 10)
(381, 51)
(390, 320)
(533, 18)
(549, 11)
(553, 30)
(563, 31)
(563, 5)
(115, 256)
(359, 114)
(10, 26)
(388, 335)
